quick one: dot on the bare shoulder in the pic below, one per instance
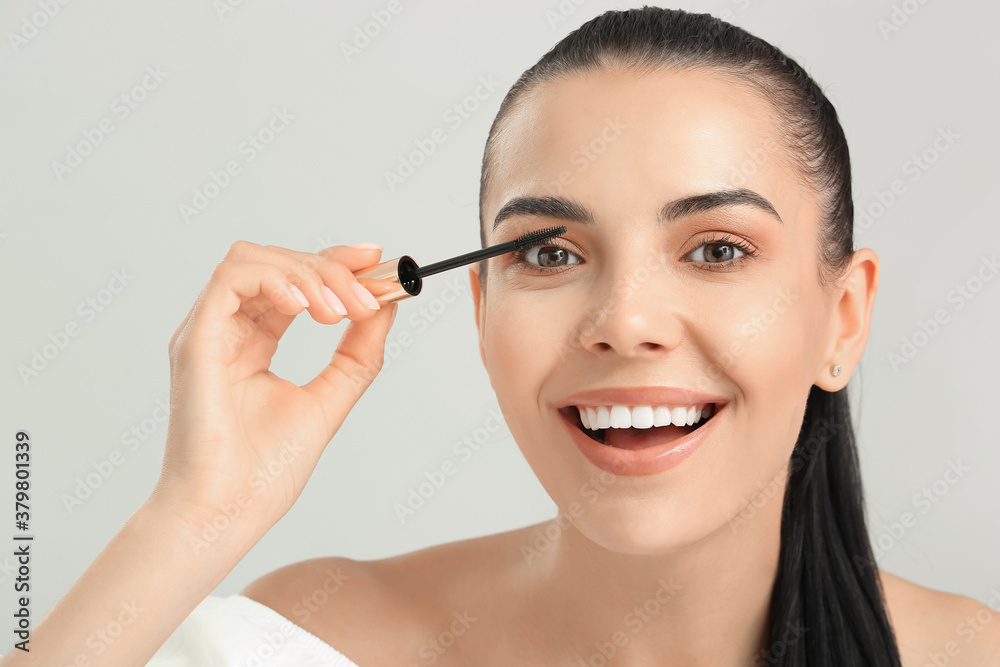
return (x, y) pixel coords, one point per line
(340, 600)
(937, 627)
(383, 611)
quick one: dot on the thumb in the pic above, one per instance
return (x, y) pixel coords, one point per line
(355, 363)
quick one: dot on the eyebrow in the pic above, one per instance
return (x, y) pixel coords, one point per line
(562, 209)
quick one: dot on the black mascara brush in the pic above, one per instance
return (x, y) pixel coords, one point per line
(401, 278)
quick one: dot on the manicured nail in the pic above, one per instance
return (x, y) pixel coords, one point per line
(367, 246)
(364, 296)
(335, 303)
(299, 296)
(393, 318)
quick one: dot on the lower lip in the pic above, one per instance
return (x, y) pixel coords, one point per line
(640, 462)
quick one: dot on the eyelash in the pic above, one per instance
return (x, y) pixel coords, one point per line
(520, 256)
(749, 252)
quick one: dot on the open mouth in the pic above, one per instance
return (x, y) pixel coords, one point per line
(632, 427)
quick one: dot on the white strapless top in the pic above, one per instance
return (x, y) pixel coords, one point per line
(237, 631)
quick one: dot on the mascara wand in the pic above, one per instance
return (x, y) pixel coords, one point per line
(401, 278)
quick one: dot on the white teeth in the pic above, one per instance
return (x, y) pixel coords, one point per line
(661, 416)
(603, 417)
(641, 416)
(620, 417)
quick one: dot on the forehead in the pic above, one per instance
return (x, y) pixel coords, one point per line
(626, 142)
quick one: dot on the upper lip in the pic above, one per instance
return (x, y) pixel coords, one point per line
(632, 396)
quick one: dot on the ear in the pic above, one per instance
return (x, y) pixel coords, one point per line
(477, 295)
(851, 319)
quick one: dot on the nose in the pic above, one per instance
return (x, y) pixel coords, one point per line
(634, 311)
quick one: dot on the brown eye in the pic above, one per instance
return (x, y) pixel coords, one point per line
(715, 253)
(549, 257)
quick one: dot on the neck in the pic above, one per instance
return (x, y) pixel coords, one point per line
(704, 604)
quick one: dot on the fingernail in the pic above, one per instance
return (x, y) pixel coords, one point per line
(299, 296)
(335, 303)
(393, 318)
(364, 296)
(366, 246)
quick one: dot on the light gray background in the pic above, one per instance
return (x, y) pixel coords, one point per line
(321, 182)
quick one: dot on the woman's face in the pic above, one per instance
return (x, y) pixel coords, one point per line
(636, 301)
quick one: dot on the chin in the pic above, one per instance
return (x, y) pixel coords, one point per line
(627, 530)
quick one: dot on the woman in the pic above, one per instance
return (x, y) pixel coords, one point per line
(707, 272)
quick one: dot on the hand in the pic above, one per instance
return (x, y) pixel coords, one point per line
(237, 431)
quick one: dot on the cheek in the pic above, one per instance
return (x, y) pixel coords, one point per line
(765, 348)
(520, 341)
(766, 340)
(525, 343)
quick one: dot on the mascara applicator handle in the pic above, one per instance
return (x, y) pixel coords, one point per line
(392, 280)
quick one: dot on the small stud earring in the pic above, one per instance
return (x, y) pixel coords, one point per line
(835, 371)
